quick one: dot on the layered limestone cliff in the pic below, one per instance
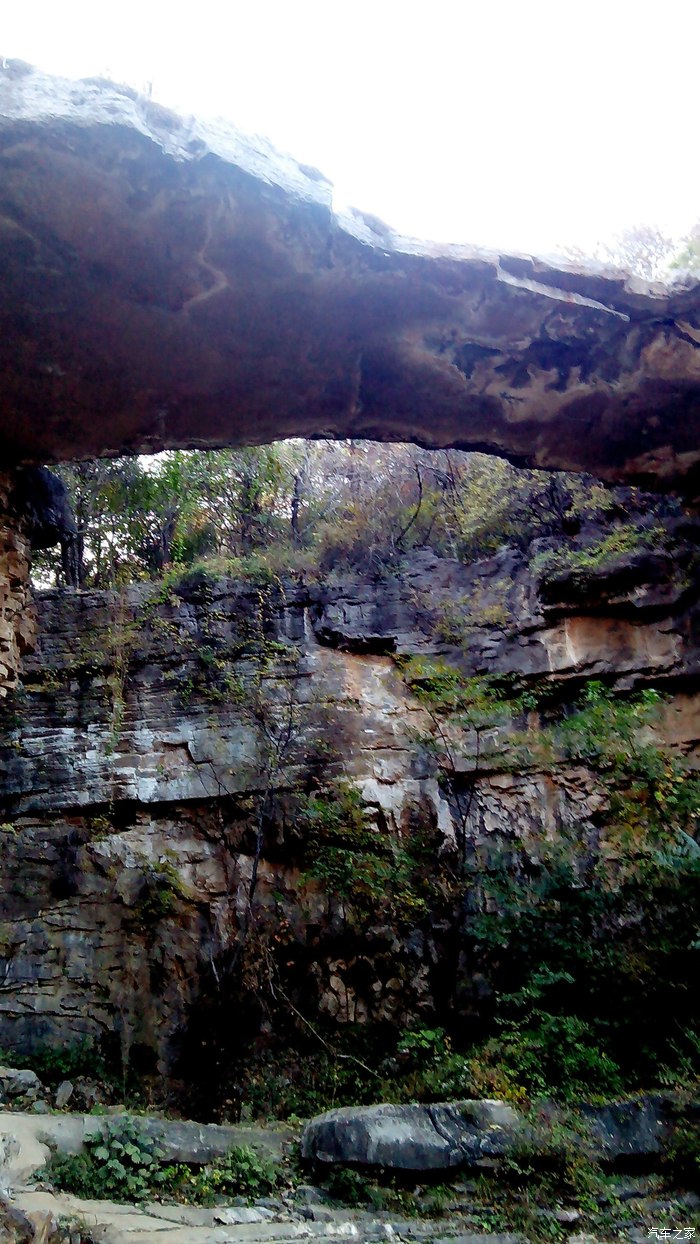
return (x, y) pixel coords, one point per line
(155, 756)
(16, 612)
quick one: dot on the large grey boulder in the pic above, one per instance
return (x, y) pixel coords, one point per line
(413, 1137)
(439, 1137)
(638, 1129)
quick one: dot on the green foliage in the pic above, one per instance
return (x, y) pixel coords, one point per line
(581, 563)
(587, 947)
(547, 1053)
(682, 1153)
(587, 979)
(557, 1155)
(314, 508)
(242, 1171)
(352, 1187)
(54, 1063)
(455, 619)
(357, 863)
(468, 702)
(121, 1164)
(419, 1044)
(653, 793)
(162, 890)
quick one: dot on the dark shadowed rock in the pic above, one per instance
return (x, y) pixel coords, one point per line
(41, 498)
(639, 1129)
(15, 1227)
(16, 1083)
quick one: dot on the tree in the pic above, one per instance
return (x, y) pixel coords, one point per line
(640, 249)
(687, 257)
(309, 507)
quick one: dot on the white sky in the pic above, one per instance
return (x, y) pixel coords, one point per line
(521, 125)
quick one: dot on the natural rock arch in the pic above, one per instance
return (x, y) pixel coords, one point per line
(166, 283)
(171, 284)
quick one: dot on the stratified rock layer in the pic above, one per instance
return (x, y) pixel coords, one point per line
(167, 283)
(138, 752)
(16, 612)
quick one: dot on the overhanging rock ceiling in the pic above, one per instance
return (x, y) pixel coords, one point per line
(169, 283)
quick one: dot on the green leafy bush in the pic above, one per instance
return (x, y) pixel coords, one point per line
(82, 1058)
(243, 1171)
(162, 889)
(556, 1159)
(682, 1153)
(421, 1044)
(121, 1164)
(363, 867)
(352, 1187)
(561, 1053)
(582, 563)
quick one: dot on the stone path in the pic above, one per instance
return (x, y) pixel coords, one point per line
(23, 1142)
(164, 1224)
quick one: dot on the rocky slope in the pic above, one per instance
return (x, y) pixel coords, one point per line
(156, 754)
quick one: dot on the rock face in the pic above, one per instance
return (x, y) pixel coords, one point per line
(16, 612)
(412, 1138)
(137, 758)
(466, 1133)
(34, 513)
(167, 283)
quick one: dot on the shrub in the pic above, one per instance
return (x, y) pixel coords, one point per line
(554, 1159)
(243, 1171)
(547, 1053)
(55, 1063)
(351, 1187)
(682, 1154)
(582, 563)
(357, 864)
(162, 890)
(121, 1164)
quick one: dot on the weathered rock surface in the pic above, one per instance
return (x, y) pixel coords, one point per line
(132, 766)
(16, 612)
(179, 1140)
(628, 1131)
(463, 1134)
(414, 1137)
(14, 1083)
(167, 283)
